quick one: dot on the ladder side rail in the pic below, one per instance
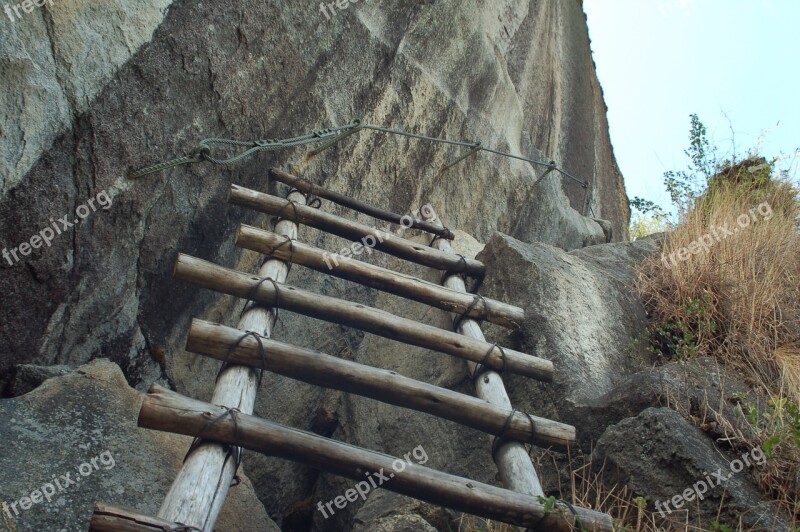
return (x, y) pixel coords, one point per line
(199, 490)
(513, 461)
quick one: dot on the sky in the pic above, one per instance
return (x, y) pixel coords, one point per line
(735, 63)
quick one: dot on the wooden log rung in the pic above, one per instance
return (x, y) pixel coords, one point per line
(355, 231)
(304, 185)
(111, 518)
(168, 411)
(313, 367)
(368, 319)
(480, 308)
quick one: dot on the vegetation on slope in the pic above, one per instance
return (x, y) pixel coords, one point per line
(727, 285)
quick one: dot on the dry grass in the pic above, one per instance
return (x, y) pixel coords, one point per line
(739, 297)
(590, 489)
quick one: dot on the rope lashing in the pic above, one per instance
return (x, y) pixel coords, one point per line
(478, 279)
(261, 351)
(270, 253)
(504, 432)
(481, 367)
(465, 315)
(330, 137)
(232, 450)
(253, 291)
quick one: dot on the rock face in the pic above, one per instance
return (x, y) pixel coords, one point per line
(90, 91)
(55, 60)
(74, 441)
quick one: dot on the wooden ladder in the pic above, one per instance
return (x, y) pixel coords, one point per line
(226, 425)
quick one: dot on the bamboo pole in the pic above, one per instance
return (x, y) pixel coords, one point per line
(513, 461)
(320, 369)
(198, 492)
(355, 231)
(379, 278)
(368, 319)
(109, 518)
(308, 187)
(165, 410)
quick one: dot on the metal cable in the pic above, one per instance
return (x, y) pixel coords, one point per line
(331, 136)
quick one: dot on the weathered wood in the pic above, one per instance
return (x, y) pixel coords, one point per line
(274, 245)
(108, 518)
(355, 231)
(321, 369)
(382, 323)
(199, 490)
(513, 461)
(307, 186)
(165, 410)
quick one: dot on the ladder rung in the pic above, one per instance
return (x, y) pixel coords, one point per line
(110, 518)
(355, 231)
(168, 411)
(314, 367)
(274, 245)
(368, 319)
(304, 185)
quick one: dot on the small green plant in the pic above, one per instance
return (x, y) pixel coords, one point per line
(548, 502)
(685, 186)
(716, 525)
(680, 338)
(780, 423)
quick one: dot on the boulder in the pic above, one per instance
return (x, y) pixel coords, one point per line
(73, 441)
(581, 312)
(702, 390)
(28, 377)
(660, 456)
(389, 512)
